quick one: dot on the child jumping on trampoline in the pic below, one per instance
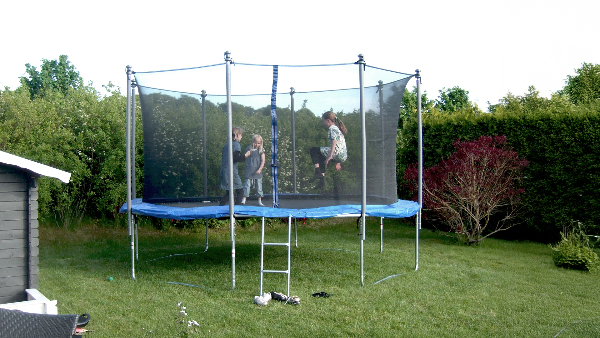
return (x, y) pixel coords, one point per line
(336, 152)
(237, 157)
(255, 161)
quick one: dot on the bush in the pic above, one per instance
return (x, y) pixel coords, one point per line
(475, 184)
(574, 252)
(561, 142)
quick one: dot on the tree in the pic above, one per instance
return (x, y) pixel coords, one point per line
(585, 86)
(409, 103)
(531, 102)
(82, 133)
(408, 108)
(454, 99)
(474, 184)
(54, 75)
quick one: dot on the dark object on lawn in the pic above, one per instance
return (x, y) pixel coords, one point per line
(321, 294)
(17, 324)
(83, 320)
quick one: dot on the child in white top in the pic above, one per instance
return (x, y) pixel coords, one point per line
(336, 152)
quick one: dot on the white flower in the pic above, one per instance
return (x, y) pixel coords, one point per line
(195, 323)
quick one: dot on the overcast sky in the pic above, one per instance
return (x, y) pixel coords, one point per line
(489, 48)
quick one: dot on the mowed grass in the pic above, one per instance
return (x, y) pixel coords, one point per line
(498, 289)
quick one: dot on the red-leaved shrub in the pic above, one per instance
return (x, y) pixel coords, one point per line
(479, 180)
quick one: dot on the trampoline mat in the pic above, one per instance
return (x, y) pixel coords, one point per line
(290, 205)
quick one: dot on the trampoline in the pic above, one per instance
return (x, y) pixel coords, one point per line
(188, 116)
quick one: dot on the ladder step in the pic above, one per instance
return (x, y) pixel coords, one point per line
(277, 244)
(275, 271)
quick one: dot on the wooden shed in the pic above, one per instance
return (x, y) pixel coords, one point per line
(19, 224)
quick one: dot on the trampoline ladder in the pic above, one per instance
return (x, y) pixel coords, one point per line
(262, 251)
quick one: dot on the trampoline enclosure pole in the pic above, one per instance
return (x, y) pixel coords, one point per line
(133, 185)
(420, 131)
(132, 116)
(230, 149)
(363, 137)
(383, 167)
(292, 91)
(128, 168)
(204, 169)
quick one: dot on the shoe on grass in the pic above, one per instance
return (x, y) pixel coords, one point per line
(294, 300)
(278, 296)
(262, 300)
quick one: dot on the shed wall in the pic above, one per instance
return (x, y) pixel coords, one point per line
(18, 243)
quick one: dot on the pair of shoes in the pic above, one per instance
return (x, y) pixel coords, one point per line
(262, 300)
(320, 185)
(243, 202)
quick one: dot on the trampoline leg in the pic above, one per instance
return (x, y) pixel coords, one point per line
(132, 239)
(137, 257)
(381, 241)
(296, 231)
(206, 224)
(262, 251)
(362, 251)
(232, 225)
(418, 225)
(289, 254)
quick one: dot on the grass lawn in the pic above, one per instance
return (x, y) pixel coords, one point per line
(498, 289)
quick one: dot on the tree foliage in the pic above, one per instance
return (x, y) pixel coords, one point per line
(454, 99)
(585, 86)
(82, 133)
(54, 76)
(470, 187)
(408, 109)
(531, 103)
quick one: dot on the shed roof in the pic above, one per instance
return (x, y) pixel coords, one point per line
(34, 167)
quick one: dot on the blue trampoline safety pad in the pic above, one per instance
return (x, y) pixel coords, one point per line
(399, 209)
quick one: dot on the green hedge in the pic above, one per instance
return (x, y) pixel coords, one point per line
(561, 142)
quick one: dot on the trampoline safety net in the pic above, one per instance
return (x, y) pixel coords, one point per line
(184, 117)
